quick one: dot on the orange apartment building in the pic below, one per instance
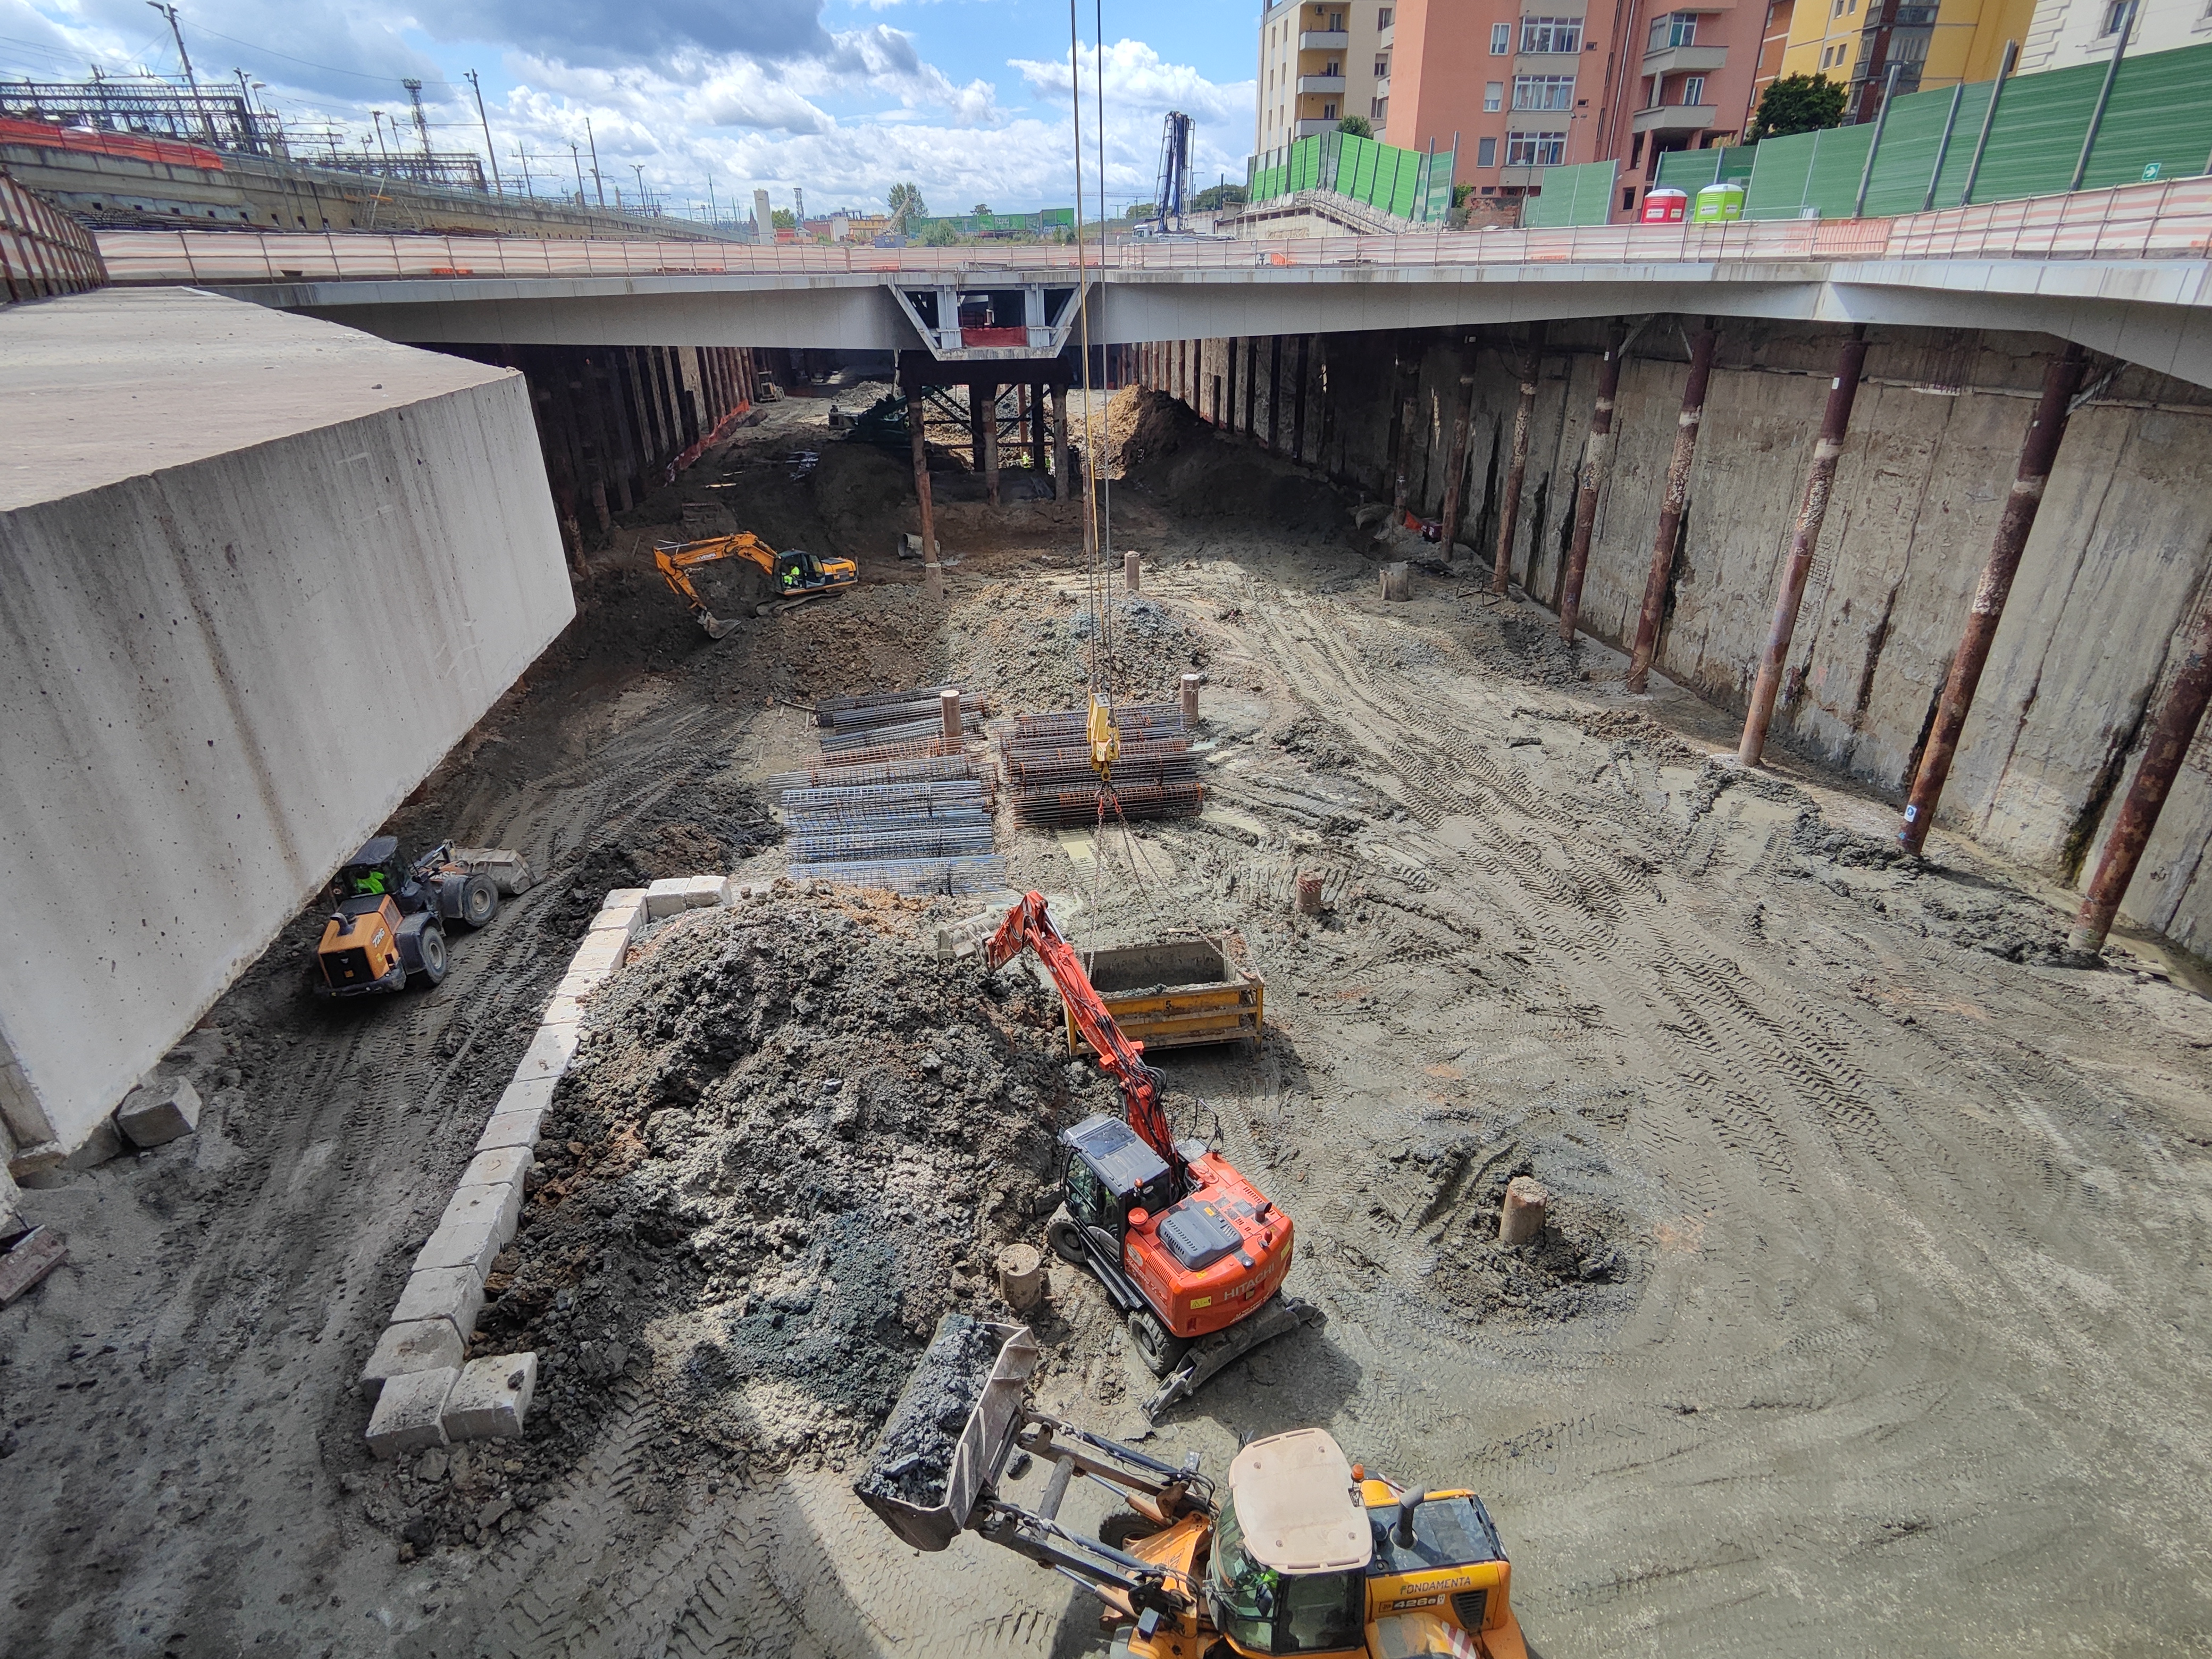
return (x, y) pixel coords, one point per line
(1555, 82)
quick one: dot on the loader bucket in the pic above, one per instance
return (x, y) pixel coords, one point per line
(949, 1433)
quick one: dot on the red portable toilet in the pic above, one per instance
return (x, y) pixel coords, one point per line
(1665, 206)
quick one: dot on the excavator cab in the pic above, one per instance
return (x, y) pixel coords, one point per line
(1110, 1174)
(799, 572)
(376, 870)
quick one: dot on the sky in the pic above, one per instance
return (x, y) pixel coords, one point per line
(967, 99)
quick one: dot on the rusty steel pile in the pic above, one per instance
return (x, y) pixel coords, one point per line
(1048, 768)
(895, 801)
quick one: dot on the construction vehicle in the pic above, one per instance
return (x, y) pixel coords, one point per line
(1305, 1553)
(793, 577)
(1178, 993)
(1190, 1251)
(388, 918)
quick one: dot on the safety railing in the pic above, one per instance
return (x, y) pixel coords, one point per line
(43, 251)
(2169, 219)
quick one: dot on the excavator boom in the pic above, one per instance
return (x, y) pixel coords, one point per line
(817, 576)
(1029, 924)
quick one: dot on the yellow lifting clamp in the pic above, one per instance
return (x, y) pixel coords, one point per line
(1105, 738)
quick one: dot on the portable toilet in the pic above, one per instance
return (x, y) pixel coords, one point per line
(1717, 203)
(1665, 206)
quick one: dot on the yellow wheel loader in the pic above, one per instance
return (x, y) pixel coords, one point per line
(1304, 1552)
(793, 577)
(387, 922)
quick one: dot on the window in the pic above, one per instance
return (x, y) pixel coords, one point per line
(1493, 97)
(1536, 149)
(1543, 91)
(1382, 18)
(1501, 39)
(1381, 68)
(1328, 112)
(1693, 89)
(2115, 14)
(1551, 34)
(1486, 152)
(1378, 109)
(1628, 199)
(1681, 29)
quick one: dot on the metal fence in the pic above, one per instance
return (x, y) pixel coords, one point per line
(43, 251)
(2133, 221)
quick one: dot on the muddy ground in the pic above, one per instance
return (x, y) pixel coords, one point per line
(1872, 1312)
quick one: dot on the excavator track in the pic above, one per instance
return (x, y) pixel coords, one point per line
(1279, 1316)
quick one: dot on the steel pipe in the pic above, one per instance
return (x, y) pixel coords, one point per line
(1597, 457)
(1516, 469)
(1671, 505)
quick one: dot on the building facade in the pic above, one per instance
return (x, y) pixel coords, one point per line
(1319, 61)
(1857, 42)
(2064, 33)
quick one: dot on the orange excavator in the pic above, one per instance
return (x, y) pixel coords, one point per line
(1189, 1251)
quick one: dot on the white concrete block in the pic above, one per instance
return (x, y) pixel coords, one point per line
(706, 892)
(602, 952)
(628, 920)
(455, 1294)
(409, 1415)
(509, 1164)
(491, 1397)
(499, 1204)
(421, 1345)
(580, 982)
(527, 1095)
(666, 897)
(623, 898)
(471, 1244)
(154, 1112)
(565, 1011)
(550, 1051)
(510, 1129)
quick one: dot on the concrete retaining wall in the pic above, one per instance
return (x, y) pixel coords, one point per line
(221, 671)
(2119, 564)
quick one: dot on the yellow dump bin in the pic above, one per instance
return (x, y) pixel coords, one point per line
(1176, 994)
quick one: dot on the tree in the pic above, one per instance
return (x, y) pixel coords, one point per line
(1797, 103)
(782, 219)
(940, 233)
(1357, 126)
(981, 210)
(1141, 210)
(1214, 198)
(906, 206)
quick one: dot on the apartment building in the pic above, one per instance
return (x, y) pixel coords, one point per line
(2064, 33)
(1319, 61)
(1932, 45)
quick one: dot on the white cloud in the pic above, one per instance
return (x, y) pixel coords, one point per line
(1140, 87)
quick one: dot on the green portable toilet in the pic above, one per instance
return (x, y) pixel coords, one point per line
(1721, 202)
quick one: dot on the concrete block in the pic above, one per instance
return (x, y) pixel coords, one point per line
(159, 1111)
(409, 1415)
(509, 1164)
(628, 919)
(421, 1345)
(29, 1260)
(36, 1160)
(105, 1141)
(580, 982)
(601, 952)
(706, 892)
(499, 1203)
(510, 1129)
(491, 1397)
(565, 1011)
(453, 1294)
(550, 1051)
(527, 1095)
(471, 1244)
(666, 897)
(623, 898)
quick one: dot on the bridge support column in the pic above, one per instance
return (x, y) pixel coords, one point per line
(1597, 459)
(2039, 450)
(1804, 541)
(917, 427)
(1251, 384)
(1455, 462)
(984, 399)
(1671, 505)
(1298, 405)
(1228, 367)
(1059, 443)
(1401, 432)
(1038, 444)
(2171, 735)
(1275, 394)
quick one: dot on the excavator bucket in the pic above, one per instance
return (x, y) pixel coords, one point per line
(950, 1433)
(1279, 1316)
(717, 628)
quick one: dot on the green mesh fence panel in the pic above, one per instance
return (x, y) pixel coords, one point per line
(1688, 169)
(2161, 115)
(1571, 196)
(2038, 136)
(1839, 160)
(1902, 167)
(1964, 135)
(1779, 176)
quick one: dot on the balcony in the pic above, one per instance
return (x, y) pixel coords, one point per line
(1308, 128)
(1382, 40)
(1324, 40)
(1674, 118)
(1323, 85)
(1685, 60)
(1382, 86)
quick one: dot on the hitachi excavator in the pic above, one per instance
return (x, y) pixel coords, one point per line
(1305, 1553)
(1188, 1250)
(793, 577)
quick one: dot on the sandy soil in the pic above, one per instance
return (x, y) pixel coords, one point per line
(1872, 1313)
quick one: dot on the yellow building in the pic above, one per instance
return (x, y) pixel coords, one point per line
(1938, 45)
(1318, 63)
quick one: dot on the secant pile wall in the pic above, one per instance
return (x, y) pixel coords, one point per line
(258, 575)
(2111, 580)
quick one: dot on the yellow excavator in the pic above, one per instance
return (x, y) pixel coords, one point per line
(1305, 1552)
(793, 577)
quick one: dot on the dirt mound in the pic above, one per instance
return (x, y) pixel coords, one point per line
(1164, 449)
(1032, 657)
(912, 1456)
(790, 1141)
